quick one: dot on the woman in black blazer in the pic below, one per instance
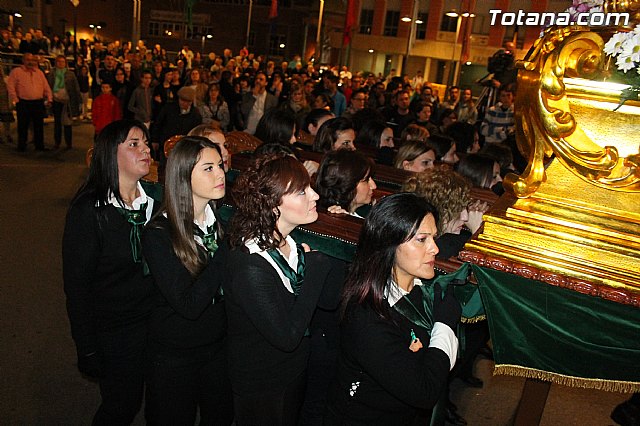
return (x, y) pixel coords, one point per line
(109, 295)
(273, 289)
(397, 344)
(188, 326)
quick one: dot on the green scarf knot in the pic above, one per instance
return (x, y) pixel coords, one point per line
(137, 218)
(209, 240)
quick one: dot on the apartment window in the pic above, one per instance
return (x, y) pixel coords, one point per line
(154, 29)
(391, 23)
(449, 24)
(366, 21)
(275, 42)
(421, 29)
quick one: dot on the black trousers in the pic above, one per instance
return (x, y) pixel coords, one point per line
(57, 129)
(122, 384)
(30, 112)
(323, 360)
(278, 405)
(182, 380)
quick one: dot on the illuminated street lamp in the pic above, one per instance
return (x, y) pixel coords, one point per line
(95, 28)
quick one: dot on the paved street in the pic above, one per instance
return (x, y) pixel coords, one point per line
(38, 379)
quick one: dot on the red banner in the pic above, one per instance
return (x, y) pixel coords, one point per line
(350, 20)
(273, 12)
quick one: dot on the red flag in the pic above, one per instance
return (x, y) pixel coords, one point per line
(349, 20)
(273, 12)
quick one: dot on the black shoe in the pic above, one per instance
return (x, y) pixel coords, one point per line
(472, 381)
(626, 414)
(43, 149)
(453, 418)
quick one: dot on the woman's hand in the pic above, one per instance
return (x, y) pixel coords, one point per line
(475, 220)
(476, 210)
(306, 247)
(311, 166)
(337, 210)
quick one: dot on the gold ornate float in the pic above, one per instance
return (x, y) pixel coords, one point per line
(575, 211)
(564, 242)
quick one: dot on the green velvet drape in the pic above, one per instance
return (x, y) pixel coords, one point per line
(556, 334)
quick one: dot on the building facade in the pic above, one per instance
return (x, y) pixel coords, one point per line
(382, 41)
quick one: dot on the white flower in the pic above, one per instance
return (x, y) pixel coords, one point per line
(631, 47)
(614, 45)
(637, 29)
(624, 63)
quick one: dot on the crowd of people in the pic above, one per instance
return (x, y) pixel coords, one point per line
(242, 323)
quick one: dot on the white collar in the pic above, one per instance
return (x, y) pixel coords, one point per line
(135, 205)
(209, 219)
(253, 247)
(393, 292)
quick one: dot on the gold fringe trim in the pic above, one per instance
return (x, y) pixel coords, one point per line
(473, 320)
(561, 379)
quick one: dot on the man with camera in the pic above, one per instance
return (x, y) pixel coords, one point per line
(502, 65)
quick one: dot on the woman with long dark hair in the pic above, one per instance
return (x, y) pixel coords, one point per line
(277, 126)
(187, 345)
(482, 170)
(334, 134)
(344, 182)
(273, 289)
(109, 295)
(394, 356)
(377, 134)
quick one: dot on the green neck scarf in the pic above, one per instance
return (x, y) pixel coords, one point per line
(137, 218)
(296, 278)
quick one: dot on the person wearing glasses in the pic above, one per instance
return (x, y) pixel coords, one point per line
(357, 103)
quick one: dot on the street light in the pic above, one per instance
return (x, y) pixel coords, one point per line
(95, 29)
(455, 66)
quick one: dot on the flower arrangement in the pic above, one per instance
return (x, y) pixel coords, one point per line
(584, 6)
(623, 46)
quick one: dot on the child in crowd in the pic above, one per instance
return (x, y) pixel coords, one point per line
(105, 109)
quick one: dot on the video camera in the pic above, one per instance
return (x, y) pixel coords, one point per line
(500, 62)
